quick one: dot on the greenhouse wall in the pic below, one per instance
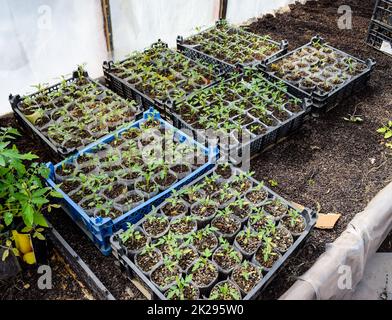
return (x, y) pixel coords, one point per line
(41, 40)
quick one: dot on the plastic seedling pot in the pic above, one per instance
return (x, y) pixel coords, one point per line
(205, 289)
(155, 235)
(132, 252)
(225, 272)
(167, 286)
(148, 272)
(246, 254)
(231, 284)
(229, 237)
(283, 232)
(259, 276)
(182, 209)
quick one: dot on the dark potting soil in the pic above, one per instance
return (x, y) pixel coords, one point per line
(330, 165)
(66, 285)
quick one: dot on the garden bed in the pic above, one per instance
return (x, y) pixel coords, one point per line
(157, 76)
(245, 114)
(120, 178)
(230, 47)
(72, 114)
(331, 164)
(225, 236)
(323, 73)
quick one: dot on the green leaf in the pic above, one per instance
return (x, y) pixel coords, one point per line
(2, 161)
(28, 215)
(56, 194)
(382, 130)
(39, 193)
(39, 236)
(388, 135)
(40, 220)
(8, 217)
(5, 255)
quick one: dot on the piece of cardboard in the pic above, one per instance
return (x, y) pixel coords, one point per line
(327, 221)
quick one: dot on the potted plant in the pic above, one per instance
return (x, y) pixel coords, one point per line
(266, 256)
(276, 208)
(247, 242)
(227, 225)
(147, 259)
(133, 240)
(164, 275)
(225, 290)
(294, 222)
(204, 272)
(155, 226)
(184, 289)
(183, 226)
(257, 195)
(23, 200)
(204, 239)
(204, 211)
(226, 257)
(174, 207)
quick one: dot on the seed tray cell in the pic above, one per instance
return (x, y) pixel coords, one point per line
(72, 114)
(322, 73)
(119, 179)
(158, 75)
(260, 214)
(383, 13)
(230, 48)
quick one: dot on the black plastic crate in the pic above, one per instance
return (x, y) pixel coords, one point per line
(195, 52)
(383, 12)
(327, 100)
(380, 37)
(254, 144)
(129, 91)
(56, 151)
(144, 284)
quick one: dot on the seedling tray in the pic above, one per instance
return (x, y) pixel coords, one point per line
(253, 142)
(130, 77)
(151, 291)
(380, 37)
(194, 47)
(383, 13)
(61, 111)
(93, 217)
(325, 82)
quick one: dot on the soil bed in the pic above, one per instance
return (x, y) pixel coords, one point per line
(331, 164)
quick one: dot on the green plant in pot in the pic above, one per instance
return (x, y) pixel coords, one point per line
(23, 199)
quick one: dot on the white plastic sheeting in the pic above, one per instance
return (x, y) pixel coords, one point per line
(41, 40)
(136, 24)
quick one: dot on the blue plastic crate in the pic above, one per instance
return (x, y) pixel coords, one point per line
(99, 229)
